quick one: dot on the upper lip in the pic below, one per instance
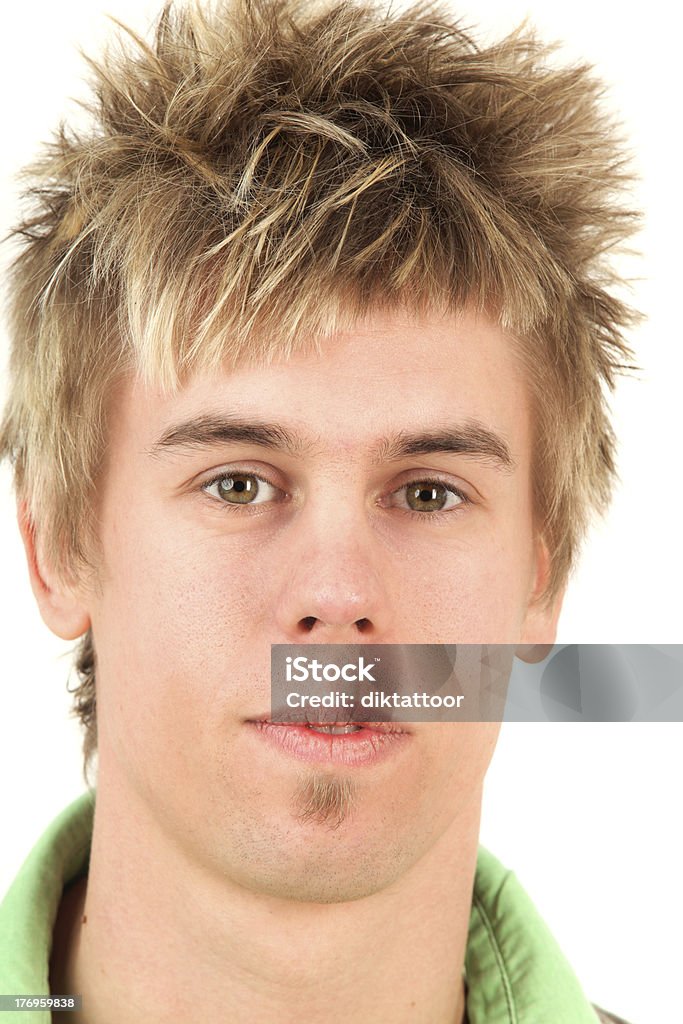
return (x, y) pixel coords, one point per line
(377, 726)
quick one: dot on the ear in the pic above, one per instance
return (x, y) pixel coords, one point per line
(540, 623)
(61, 605)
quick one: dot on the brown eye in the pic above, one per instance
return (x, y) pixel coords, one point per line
(425, 497)
(241, 489)
(429, 496)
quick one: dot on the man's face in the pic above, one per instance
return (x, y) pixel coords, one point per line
(332, 546)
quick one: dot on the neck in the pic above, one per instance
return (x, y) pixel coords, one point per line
(153, 932)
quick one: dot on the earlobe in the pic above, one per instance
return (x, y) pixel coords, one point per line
(533, 653)
(61, 606)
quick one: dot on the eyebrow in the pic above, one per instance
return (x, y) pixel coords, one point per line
(471, 438)
(209, 431)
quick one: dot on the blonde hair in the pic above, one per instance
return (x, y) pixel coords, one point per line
(267, 171)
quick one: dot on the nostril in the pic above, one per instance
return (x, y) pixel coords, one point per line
(310, 620)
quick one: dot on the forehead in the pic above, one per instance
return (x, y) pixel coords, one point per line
(388, 373)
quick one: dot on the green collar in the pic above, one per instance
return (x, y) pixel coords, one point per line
(29, 909)
(515, 971)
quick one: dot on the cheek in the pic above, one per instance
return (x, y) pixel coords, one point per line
(174, 635)
(180, 587)
(474, 593)
(460, 753)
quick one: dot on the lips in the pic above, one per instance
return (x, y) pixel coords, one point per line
(335, 730)
(356, 745)
(323, 721)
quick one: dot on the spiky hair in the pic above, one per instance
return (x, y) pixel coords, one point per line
(265, 172)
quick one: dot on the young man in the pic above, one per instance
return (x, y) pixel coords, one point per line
(310, 336)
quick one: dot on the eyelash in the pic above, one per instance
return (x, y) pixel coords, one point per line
(412, 513)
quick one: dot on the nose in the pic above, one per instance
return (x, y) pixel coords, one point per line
(337, 587)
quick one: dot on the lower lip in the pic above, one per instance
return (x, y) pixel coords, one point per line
(365, 747)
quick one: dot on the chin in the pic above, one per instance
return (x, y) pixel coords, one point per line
(328, 879)
(325, 861)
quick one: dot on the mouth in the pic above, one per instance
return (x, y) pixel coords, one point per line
(344, 743)
(335, 727)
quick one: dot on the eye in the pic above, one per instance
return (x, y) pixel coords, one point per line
(241, 489)
(429, 496)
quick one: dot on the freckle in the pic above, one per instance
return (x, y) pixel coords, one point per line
(84, 919)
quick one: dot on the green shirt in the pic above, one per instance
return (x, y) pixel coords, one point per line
(515, 971)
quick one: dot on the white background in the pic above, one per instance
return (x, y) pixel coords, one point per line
(588, 816)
